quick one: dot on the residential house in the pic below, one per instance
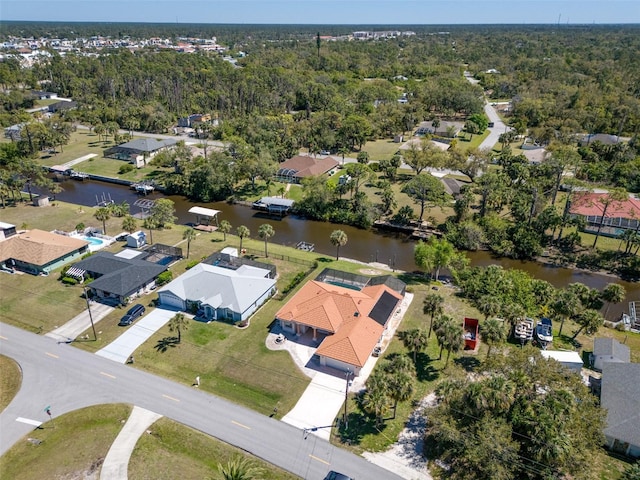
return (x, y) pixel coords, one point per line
(230, 290)
(620, 216)
(620, 398)
(295, 169)
(7, 230)
(192, 121)
(609, 350)
(39, 252)
(571, 360)
(13, 132)
(346, 322)
(139, 151)
(117, 279)
(604, 138)
(62, 106)
(41, 95)
(444, 129)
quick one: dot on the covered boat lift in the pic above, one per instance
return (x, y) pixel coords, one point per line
(204, 218)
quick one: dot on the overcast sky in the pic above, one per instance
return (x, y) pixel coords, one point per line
(326, 11)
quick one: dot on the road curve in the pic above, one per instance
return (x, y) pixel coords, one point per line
(67, 378)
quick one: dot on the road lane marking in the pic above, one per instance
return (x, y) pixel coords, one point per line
(28, 421)
(319, 459)
(3, 338)
(51, 355)
(170, 398)
(107, 375)
(240, 425)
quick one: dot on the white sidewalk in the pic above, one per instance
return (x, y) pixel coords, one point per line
(116, 463)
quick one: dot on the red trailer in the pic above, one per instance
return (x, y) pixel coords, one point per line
(470, 333)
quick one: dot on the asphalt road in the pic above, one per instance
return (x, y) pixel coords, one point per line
(67, 378)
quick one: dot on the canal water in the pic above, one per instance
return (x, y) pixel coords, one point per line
(395, 250)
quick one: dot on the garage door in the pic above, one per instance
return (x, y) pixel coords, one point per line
(171, 301)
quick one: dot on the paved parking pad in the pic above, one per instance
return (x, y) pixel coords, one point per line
(122, 347)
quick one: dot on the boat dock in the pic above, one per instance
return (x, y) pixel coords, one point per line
(306, 247)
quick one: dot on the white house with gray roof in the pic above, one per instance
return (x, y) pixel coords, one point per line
(219, 293)
(140, 150)
(620, 397)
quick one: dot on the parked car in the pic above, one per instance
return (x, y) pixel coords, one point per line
(332, 475)
(325, 152)
(133, 313)
(377, 350)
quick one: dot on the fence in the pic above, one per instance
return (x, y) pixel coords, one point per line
(279, 256)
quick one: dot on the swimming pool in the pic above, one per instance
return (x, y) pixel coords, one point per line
(94, 241)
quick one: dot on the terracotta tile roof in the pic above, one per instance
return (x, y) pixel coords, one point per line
(342, 312)
(38, 247)
(589, 204)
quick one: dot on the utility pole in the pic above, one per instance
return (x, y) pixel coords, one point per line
(93, 327)
(346, 397)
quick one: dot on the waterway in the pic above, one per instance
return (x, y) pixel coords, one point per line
(395, 250)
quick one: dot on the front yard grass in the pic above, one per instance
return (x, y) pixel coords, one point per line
(10, 380)
(175, 451)
(75, 448)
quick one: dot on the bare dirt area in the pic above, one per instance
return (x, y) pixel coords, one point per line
(405, 456)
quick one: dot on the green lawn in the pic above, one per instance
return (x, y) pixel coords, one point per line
(75, 445)
(175, 451)
(82, 143)
(10, 380)
(72, 445)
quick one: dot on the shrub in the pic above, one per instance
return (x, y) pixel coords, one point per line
(126, 168)
(164, 277)
(69, 281)
(294, 282)
(191, 264)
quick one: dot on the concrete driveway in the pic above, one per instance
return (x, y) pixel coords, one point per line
(81, 322)
(135, 335)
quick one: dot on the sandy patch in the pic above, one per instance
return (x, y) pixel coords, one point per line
(405, 456)
(370, 271)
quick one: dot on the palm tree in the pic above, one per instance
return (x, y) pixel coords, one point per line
(450, 336)
(189, 234)
(225, 227)
(613, 293)
(102, 214)
(512, 312)
(415, 341)
(376, 399)
(239, 468)
(338, 239)
(129, 224)
(493, 333)
(564, 306)
(178, 323)
(399, 363)
(433, 305)
(590, 321)
(400, 387)
(242, 232)
(149, 223)
(265, 232)
(489, 306)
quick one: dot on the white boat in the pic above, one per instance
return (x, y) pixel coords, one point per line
(523, 330)
(544, 332)
(144, 188)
